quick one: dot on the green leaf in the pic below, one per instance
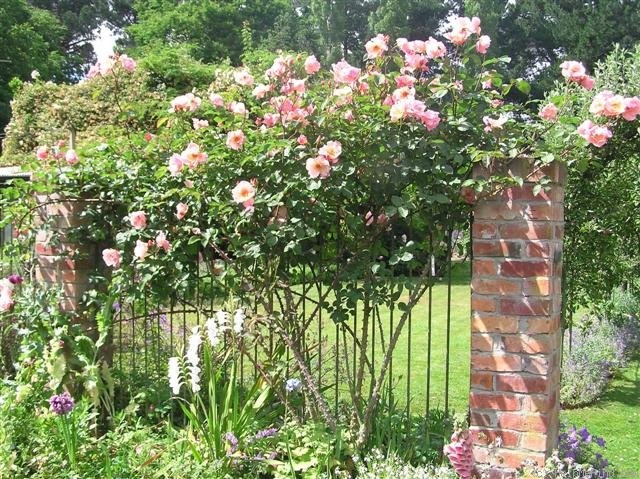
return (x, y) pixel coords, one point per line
(523, 86)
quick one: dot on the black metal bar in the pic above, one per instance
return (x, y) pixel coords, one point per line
(448, 340)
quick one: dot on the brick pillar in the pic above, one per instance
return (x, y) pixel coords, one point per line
(515, 325)
(63, 260)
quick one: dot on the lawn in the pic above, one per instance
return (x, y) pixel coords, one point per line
(616, 418)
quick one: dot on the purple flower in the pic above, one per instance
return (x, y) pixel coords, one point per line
(15, 279)
(600, 442)
(292, 385)
(61, 404)
(265, 433)
(116, 307)
(233, 442)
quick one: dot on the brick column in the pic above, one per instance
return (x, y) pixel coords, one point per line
(515, 325)
(61, 259)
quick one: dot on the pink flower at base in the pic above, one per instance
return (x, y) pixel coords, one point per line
(492, 124)
(549, 112)
(244, 191)
(127, 63)
(599, 101)
(434, 48)
(311, 65)
(162, 242)
(302, 140)
(42, 153)
(332, 150)
(594, 134)
(186, 102)
(198, 123)
(111, 257)
(141, 250)
(344, 73)
(243, 77)
(261, 90)
(631, 108)
(614, 106)
(587, 82)
(138, 219)
(430, 119)
(71, 157)
(181, 210)
(460, 454)
(573, 71)
(483, 44)
(377, 46)
(235, 139)
(216, 100)
(318, 167)
(176, 165)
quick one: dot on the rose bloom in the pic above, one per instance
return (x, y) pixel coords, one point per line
(587, 82)
(216, 100)
(162, 242)
(138, 219)
(71, 157)
(311, 65)
(483, 43)
(573, 71)
(331, 151)
(187, 102)
(127, 63)
(493, 123)
(271, 119)
(244, 191)
(430, 119)
(243, 77)
(376, 46)
(549, 112)
(42, 153)
(434, 48)
(181, 210)
(614, 106)
(261, 90)
(302, 140)
(599, 101)
(398, 110)
(192, 156)
(344, 73)
(405, 80)
(318, 167)
(462, 28)
(631, 108)
(293, 85)
(198, 123)
(238, 108)
(235, 139)
(403, 93)
(141, 250)
(414, 61)
(175, 164)
(111, 257)
(594, 134)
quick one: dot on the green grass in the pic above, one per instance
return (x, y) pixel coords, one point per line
(616, 418)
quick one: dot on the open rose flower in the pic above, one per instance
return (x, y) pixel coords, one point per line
(141, 250)
(332, 150)
(491, 124)
(483, 44)
(377, 46)
(318, 167)
(162, 242)
(127, 63)
(71, 157)
(311, 65)
(549, 112)
(243, 77)
(138, 219)
(594, 134)
(631, 108)
(181, 210)
(235, 139)
(186, 102)
(434, 49)
(192, 156)
(42, 153)
(111, 257)
(176, 165)
(243, 192)
(573, 71)
(344, 73)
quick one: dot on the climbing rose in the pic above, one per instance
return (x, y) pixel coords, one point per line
(111, 257)
(462, 28)
(243, 77)
(430, 119)
(176, 164)
(235, 139)
(181, 210)
(127, 63)
(459, 453)
(238, 108)
(594, 134)
(302, 140)
(483, 43)
(162, 242)
(318, 167)
(192, 156)
(599, 101)
(376, 46)
(243, 192)
(261, 90)
(344, 73)
(549, 112)
(587, 82)
(198, 123)
(216, 100)
(186, 102)
(493, 123)
(42, 153)
(631, 108)
(332, 150)
(434, 48)
(71, 157)
(141, 249)
(311, 65)
(573, 71)
(138, 219)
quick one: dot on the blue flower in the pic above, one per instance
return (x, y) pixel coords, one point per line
(292, 385)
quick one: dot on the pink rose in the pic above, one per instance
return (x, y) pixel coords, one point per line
(162, 242)
(377, 46)
(141, 250)
(198, 123)
(175, 164)
(332, 150)
(344, 73)
(398, 110)
(434, 48)
(318, 167)
(599, 101)
(405, 81)
(483, 43)
(181, 210)
(302, 140)
(594, 134)
(311, 65)
(415, 61)
(587, 82)
(614, 106)
(549, 112)
(42, 153)
(127, 63)
(192, 156)
(111, 257)
(138, 219)
(271, 119)
(216, 100)
(238, 108)
(187, 102)
(430, 119)
(261, 90)
(243, 77)
(403, 93)
(294, 86)
(492, 124)
(6, 302)
(631, 108)
(235, 139)
(462, 28)
(243, 192)
(348, 115)
(573, 71)
(71, 157)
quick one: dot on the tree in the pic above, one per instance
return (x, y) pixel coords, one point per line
(413, 19)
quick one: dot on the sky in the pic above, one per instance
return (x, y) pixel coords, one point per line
(103, 44)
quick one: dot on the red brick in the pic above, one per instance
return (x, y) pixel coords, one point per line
(480, 455)
(525, 193)
(521, 384)
(541, 325)
(496, 362)
(484, 230)
(498, 210)
(484, 323)
(526, 230)
(484, 267)
(481, 342)
(559, 232)
(524, 268)
(541, 403)
(482, 419)
(486, 437)
(514, 459)
(486, 304)
(534, 442)
(482, 380)
(525, 306)
(540, 286)
(46, 249)
(522, 343)
(497, 248)
(523, 422)
(500, 402)
(541, 212)
(535, 365)
(498, 286)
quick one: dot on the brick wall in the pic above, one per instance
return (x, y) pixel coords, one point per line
(515, 324)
